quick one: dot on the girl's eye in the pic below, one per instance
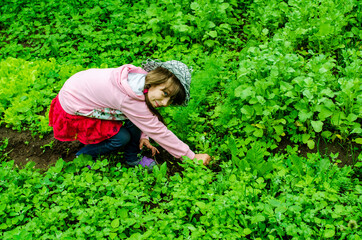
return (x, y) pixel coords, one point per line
(165, 93)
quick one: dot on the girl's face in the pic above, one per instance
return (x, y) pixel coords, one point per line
(160, 95)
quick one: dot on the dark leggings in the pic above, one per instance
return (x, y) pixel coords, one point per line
(128, 136)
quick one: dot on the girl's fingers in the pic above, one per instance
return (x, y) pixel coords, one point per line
(154, 151)
(149, 146)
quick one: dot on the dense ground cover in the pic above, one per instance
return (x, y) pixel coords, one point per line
(277, 85)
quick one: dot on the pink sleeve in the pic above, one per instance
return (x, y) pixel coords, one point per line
(139, 114)
(144, 136)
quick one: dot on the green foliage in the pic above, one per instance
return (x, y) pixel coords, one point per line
(116, 32)
(253, 161)
(320, 26)
(277, 93)
(27, 90)
(306, 199)
(265, 71)
(3, 145)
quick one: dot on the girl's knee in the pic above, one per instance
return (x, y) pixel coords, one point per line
(122, 138)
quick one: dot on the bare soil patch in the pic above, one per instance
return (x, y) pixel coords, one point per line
(22, 147)
(346, 152)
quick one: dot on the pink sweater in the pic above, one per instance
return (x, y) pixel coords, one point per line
(108, 88)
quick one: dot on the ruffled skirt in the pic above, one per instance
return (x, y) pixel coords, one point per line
(67, 127)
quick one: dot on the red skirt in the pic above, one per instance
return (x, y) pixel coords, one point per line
(67, 127)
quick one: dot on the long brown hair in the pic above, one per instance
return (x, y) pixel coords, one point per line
(162, 75)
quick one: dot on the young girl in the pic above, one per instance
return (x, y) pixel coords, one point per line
(110, 108)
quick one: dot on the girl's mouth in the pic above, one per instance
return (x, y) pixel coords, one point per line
(156, 104)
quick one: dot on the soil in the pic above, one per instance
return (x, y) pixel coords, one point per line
(22, 147)
(346, 153)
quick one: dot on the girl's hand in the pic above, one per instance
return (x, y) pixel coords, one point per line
(204, 157)
(146, 142)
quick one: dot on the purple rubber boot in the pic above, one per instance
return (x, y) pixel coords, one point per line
(147, 162)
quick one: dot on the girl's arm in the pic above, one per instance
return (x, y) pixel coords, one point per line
(139, 114)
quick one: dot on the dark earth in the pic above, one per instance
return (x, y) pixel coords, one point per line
(22, 147)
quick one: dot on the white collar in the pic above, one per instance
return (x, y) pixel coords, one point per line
(137, 82)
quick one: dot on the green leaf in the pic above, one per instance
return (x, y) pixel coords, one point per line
(232, 178)
(115, 223)
(59, 165)
(279, 129)
(194, 6)
(257, 218)
(210, 43)
(123, 213)
(328, 92)
(210, 24)
(182, 28)
(317, 125)
(202, 206)
(233, 150)
(265, 31)
(304, 115)
(247, 231)
(274, 202)
(224, 6)
(324, 29)
(297, 164)
(243, 92)
(255, 155)
(311, 144)
(258, 133)
(329, 233)
(357, 130)
(112, 235)
(213, 34)
(338, 118)
(352, 117)
(247, 110)
(225, 26)
(305, 138)
(358, 140)
(325, 112)
(324, 165)
(326, 134)
(89, 178)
